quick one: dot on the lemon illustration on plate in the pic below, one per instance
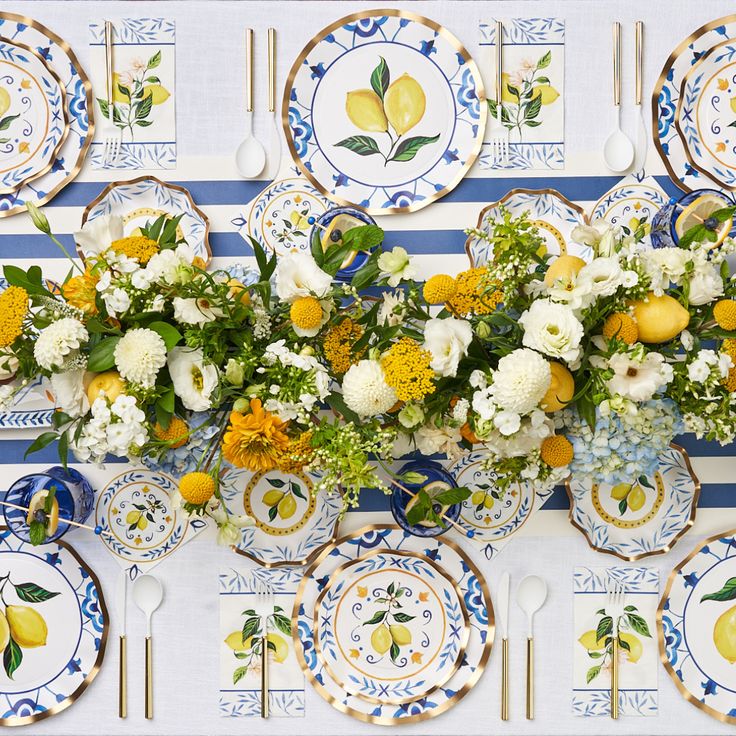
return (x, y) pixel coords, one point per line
(27, 626)
(381, 639)
(400, 634)
(4, 101)
(724, 630)
(365, 110)
(632, 494)
(280, 503)
(405, 103)
(136, 519)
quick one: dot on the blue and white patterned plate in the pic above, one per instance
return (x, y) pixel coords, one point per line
(492, 515)
(47, 666)
(554, 215)
(632, 202)
(291, 521)
(384, 110)
(33, 122)
(641, 518)
(695, 626)
(142, 200)
(69, 158)
(455, 565)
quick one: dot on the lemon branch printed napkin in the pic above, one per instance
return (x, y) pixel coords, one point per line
(144, 54)
(639, 663)
(239, 644)
(532, 91)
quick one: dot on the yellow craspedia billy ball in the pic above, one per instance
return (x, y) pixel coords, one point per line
(176, 433)
(730, 381)
(557, 451)
(621, 326)
(439, 288)
(724, 312)
(306, 313)
(197, 488)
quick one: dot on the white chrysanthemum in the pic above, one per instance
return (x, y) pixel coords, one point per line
(58, 342)
(520, 381)
(140, 355)
(365, 389)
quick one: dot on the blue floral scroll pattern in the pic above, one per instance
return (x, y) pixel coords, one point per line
(636, 197)
(137, 156)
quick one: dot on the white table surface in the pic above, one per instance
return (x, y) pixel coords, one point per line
(209, 104)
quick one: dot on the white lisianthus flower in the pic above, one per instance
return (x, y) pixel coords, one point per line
(520, 381)
(431, 440)
(97, 235)
(298, 274)
(195, 311)
(392, 309)
(601, 236)
(447, 340)
(68, 388)
(395, 265)
(194, 381)
(638, 377)
(665, 265)
(706, 285)
(139, 355)
(602, 276)
(59, 342)
(170, 266)
(552, 329)
(365, 390)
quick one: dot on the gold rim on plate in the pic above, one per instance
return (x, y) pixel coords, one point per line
(72, 173)
(722, 717)
(71, 699)
(464, 639)
(686, 527)
(447, 36)
(316, 559)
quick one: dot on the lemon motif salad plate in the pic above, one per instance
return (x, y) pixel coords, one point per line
(633, 202)
(53, 628)
(640, 518)
(384, 110)
(697, 626)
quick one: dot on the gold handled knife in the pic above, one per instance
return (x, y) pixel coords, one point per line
(123, 645)
(503, 619)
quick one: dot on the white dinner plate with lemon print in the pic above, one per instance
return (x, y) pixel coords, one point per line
(442, 554)
(555, 217)
(697, 626)
(643, 517)
(33, 121)
(631, 203)
(391, 627)
(291, 521)
(53, 628)
(384, 110)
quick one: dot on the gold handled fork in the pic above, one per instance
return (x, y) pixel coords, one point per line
(500, 134)
(615, 609)
(111, 134)
(264, 606)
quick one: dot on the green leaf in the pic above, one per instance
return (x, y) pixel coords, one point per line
(505, 119)
(452, 496)
(239, 674)
(337, 403)
(407, 149)
(638, 624)
(169, 334)
(251, 627)
(37, 533)
(63, 448)
(32, 593)
(153, 80)
(377, 618)
(605, 627)
(623, 504)
(592, 673)
(532, 109)
(124, 91)
(49, 500)
(102, 357)
(545, 60)
(624, 644)
(541, 80)
(296, 489)
(644, 481)
(155, 60)
(726, 593)
(514, 91)
(12, 657)
(276, 482)
(60, 418)
(31, 280)
(381, 78)
(5, 122)
(272, 511)
(363, 145)
(403, 618)
(43, 440)
(282, 623)
(394, 652)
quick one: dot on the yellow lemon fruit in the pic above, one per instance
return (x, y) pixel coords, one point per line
(732, 100)
(287, 507)
(271, 498)
(591, 642)
(52, 523)
(157, 93)
(635, 647)
(117, 95)
(700, 210)
(548, 93)
(619, 492)
(281, 648)
(365, 110)
(132, 517)
(636, 498)
(400, 634)
(38, 499)
(4, 101)
(478, 497)
(488, 502)
(561, 388)
(404, 103)
(381, 639)
(142, 522)
(660, 318)
(564, 267)
(108, 384)
(724, 635)
(27, 626)
(4, 632)
(236, 643)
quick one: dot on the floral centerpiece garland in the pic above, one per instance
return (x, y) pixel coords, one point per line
(550, 366)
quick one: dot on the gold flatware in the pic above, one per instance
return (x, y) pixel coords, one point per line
(264, 606)
(500, 133)
(530, 595)
(618, 150)
(111, 134)
(123, 645)
(615, 609)
(641, 130)
(503, 619)
(274, 153)
(148, 594)
(250, 158)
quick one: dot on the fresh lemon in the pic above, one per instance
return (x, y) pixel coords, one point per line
(724, 635)
(619, 492)
(698, 211)
(4, 632)
(659, 318)
(400, 634)
(561, 387)
(157, 93)
(635, 649)
(381, 639)
(334, 232)
(563, 267)
(38, 499)
(52, 521)
(27, 626)
(404, 103)
(287, 507)
(107, 384)
(591, 642)
(271, 498)
(365, 110)
(636, 498)
(4, 101)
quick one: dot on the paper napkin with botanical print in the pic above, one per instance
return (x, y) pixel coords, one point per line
(532, 92)
(143, 58)
(239, 643)
(639, 654)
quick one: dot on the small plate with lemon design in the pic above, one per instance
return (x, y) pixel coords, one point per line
(290, 520)
(53, 628)
(633, 202)
(639, 518)
(697, 626)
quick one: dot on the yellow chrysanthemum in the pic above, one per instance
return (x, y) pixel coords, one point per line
(13, 310)
(439, 288)
(621, 326)
(728, 346)
(176, 433)
(297, 454)
(471, 296)
(197, 488)
(81, 291)
(730, 381)
(136, 246)
(255, 440)
(557, 451)
(407, 369)
(306, 313)
(724, 312)
(338, 345)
